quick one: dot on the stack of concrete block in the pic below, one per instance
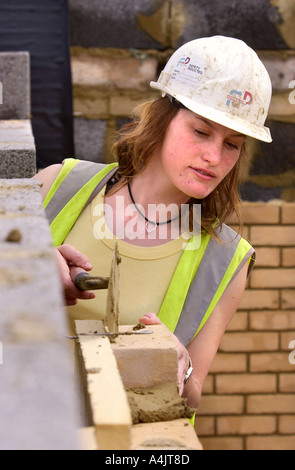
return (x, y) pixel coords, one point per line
(38, 403)
(17, 145)
(131, 388)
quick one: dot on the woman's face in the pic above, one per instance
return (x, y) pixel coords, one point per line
(197, 154)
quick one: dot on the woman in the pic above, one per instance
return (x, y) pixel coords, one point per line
(184, 149)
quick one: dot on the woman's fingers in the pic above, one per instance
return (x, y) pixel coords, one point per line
(71, 262)
(150, 319)
(183, 355)
(74, 257)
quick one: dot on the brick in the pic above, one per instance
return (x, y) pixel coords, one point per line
(289, 257)
(264, 404)
(270, 362)
(281, 109)
(256, 23)
(17, 150)
(273, 278)
(270, 443)
(256, 213)
(89, 139)
(272, 320)
(123, 105)
(222, 443)
(288, 299)
(229, 363)
(287, 383)
(247, 342)
(146, 360)
(244, 425)
(99, 24)
(176, 434)
(287, 425)
(268, 257)
(221, 405)
(205, 426)
(269, 172)
(109, 409)
(208, 387)
(252, 191)
(16, 80)
(272, 236)
(245, 383)
(239, 322)
(280, 68)
(255, 299)
(288, 213)
(37, 383)
(286, 338)
(125, 72)
(90, 104)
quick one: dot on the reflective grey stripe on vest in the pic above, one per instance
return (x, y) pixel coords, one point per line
(82, 172)
(205, 284)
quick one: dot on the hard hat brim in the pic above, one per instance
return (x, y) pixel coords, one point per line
(224, 119)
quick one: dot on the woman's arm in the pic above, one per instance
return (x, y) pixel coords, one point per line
(70, 262)
(47, 177)
(204, 347)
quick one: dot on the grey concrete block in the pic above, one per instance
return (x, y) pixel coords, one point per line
(17, 150)
(37, 388)
(90, 139)
(16, 87)
(94, 23)
(257, 23)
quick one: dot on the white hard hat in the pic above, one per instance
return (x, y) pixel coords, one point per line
(223, 80)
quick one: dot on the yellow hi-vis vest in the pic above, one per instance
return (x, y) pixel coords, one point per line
(202, 274)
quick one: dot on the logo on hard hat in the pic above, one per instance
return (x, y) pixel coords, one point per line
(184, 61)
(238, 97)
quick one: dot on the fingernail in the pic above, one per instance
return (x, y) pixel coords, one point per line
(88, 266)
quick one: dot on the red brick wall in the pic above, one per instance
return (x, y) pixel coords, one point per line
(248, 400)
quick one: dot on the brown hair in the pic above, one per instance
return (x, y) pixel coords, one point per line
(139, 140)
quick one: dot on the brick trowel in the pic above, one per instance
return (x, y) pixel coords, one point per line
(84, 281)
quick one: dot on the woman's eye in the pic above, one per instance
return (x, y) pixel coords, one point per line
(199, 132)
(232, 146)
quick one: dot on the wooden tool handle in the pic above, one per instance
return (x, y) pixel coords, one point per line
(86, 282)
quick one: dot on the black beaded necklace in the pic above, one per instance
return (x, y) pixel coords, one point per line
(149, 222)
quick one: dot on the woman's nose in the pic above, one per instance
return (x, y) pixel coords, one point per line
(213, 154)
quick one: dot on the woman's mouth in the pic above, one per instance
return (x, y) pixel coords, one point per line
(204, 174)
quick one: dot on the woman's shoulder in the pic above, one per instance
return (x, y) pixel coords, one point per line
(47, 177)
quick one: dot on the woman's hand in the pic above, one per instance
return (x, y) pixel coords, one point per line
(183, 355)
(71, 262)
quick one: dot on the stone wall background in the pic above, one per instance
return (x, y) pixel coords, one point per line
(118, 47)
